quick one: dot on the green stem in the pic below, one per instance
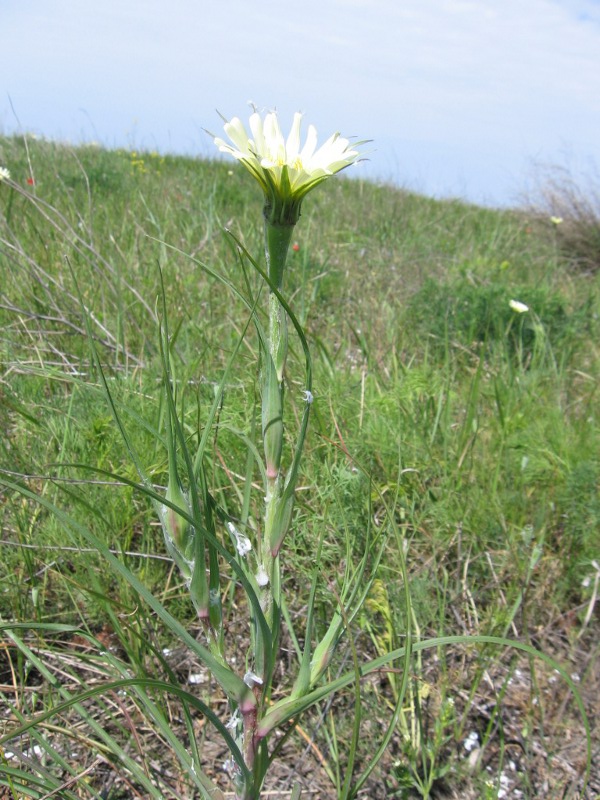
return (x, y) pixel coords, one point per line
(277, 242)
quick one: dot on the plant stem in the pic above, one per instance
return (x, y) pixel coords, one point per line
(277, 241)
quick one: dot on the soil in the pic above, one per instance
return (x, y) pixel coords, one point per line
(513, 730)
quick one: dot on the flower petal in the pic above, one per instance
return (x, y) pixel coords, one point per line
(237, 133)
(256, 126)
(275, 143)
(310, 145)
(292, 146)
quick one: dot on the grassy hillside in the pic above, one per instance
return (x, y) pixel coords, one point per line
(476, 423)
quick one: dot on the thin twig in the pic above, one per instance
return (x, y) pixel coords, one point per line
(67, 549)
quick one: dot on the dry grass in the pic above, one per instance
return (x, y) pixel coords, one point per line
(572, 208)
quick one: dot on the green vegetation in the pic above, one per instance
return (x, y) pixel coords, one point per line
(476, 424)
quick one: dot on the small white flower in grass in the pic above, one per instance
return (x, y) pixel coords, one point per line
(251, 679)
(285, 170)
(556, 220)
(519, 307)
(4, 174)
(308, 396)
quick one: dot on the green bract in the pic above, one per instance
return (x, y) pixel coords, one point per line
(285, 171)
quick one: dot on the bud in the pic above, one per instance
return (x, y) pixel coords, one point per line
(177, 527)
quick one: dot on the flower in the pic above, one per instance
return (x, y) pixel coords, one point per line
(30, 181)
(4, 174)
(519, 307)
(285, 171)
(556, 220)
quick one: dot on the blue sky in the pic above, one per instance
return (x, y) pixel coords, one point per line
(461, 97)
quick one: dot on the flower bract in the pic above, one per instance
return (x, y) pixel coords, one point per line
(285, 170)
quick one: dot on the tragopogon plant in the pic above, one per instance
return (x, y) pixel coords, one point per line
(216, 542)
(286, 173)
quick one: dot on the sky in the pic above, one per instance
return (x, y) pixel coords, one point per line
(462, 98)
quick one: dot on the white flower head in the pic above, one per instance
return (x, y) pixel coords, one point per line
(556, 220)
(519, 307)
(285, 170)
(308, 396)
(4, 174)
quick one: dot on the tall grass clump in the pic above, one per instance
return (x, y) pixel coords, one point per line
(290, 506)
(571, 207)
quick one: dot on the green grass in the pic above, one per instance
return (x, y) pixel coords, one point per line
(479, 427)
